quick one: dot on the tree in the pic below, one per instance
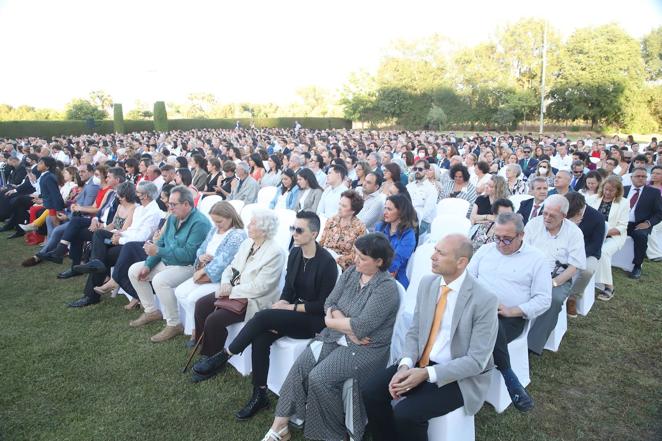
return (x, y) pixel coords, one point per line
(521, 44)
(437, 117)
(101, 99)
(651, 49)
(160, 117)
(357, 97)
(81, 109)
(314, 101)
(118, 118)
(601, 78)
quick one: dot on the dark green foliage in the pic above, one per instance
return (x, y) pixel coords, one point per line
(160, 117)
(80, 109)
(118, 118)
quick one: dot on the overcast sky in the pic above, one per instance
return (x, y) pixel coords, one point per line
(248, 50)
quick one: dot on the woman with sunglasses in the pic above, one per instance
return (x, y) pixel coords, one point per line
(311, 275)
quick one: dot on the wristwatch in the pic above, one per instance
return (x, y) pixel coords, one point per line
(554, 284)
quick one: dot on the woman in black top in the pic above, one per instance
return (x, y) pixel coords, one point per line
(215, 176)
(311, 276)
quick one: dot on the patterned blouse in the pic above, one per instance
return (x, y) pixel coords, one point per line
(341, 240)
(604, 209)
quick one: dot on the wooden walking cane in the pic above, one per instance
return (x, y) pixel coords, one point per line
(195, 349)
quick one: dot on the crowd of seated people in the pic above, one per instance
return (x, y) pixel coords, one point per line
(547, 216)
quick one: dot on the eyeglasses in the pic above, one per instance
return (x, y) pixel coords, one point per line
(297, 230)
(173, 204)
(417, 169)
(504, 240)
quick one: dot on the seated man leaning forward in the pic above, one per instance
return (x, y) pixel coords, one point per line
(447, 351)
(169, 263)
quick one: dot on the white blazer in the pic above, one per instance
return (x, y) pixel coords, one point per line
(260, 276)
(618, 216)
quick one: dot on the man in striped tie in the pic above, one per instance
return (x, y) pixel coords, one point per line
(447, 355)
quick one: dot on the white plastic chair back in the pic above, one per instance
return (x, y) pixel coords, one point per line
(517, 199)
(266, 195)
(448, 224)
(285, 220)
(322, 226)
(205, 204)
(453, 206)
(421, 266)
(398, 338)
(246, 213)
(238, 205)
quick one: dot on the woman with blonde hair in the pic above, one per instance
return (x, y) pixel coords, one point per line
(609, 201)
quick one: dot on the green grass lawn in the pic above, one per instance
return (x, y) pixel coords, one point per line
(84, 374)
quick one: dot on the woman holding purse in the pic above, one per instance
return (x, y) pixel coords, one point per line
(249, 284)
(213, 256)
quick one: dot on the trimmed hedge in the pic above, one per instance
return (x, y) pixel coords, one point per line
(118, 119)
(160, 117)
(48, 129)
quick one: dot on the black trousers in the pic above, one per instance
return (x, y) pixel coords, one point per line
(130, 253)
(509, 329)
(76, 233)
(258, 331)
(97, 279)
(408, 420)
(640, 238)
(213, 322)
(18, 209)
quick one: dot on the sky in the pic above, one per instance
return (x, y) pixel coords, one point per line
(258, 51)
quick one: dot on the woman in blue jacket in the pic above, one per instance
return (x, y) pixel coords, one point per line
(212, 257)
(399, 226)
(286, 196)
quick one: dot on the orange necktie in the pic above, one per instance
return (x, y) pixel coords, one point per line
(436, 324)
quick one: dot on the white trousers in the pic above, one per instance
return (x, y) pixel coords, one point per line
(164, 280)
(609, 248)
(187, 295)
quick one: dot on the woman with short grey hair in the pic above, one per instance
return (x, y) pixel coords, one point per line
(248, 285)
(516, 184)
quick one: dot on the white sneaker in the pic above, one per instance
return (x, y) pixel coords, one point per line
(28, 227)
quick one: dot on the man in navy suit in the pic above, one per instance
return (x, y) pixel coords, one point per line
(645, 213)
(578, 180)
(592, 224)
(528, 163)
(533, 207)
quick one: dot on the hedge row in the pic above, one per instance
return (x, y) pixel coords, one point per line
(48, 129)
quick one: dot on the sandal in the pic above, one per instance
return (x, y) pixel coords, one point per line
(606, 295)
(282, 435)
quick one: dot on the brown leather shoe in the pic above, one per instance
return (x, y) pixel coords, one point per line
(146, 317)
(167, 333)
(571, 307)
(31, 261)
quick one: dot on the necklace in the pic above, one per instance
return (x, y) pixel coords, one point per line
(305, 262)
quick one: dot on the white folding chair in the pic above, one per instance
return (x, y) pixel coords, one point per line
(585, 302)
(241, 362)
(246, 213)
(454, 426)
(517, 199)
(398, 339)
(285, 220)
(554, 340)
(238, 205)
(421, 266)
(654, 250)
(518, 349)
(623, 257)
(453, 206)
(209, 201)
(322, 226)
(443, 225)
(266, 195)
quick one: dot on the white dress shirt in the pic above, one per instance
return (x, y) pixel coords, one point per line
(567, 246)
(373, 209)
(441, 349)
(145, 222)
(561, 163)
(520, 279)
(328, 206)
(424, 199)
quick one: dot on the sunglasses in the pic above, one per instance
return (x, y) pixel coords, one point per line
(504, 240)
(419, 169)
(297, 230)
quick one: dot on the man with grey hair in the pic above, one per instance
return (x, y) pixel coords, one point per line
(245, 188)
(562, 244)
(517, 273)
(375, 162)
(107, 245)
(561, 183)
(169, 263)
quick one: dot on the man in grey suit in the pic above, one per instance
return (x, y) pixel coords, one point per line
(246, 188)
(447, 355)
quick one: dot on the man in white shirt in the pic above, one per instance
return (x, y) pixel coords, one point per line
(373, 201)
(423, 196)
(330, 199)
(518, 274)
(562, 244)
(434, 379)
(561, 161)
